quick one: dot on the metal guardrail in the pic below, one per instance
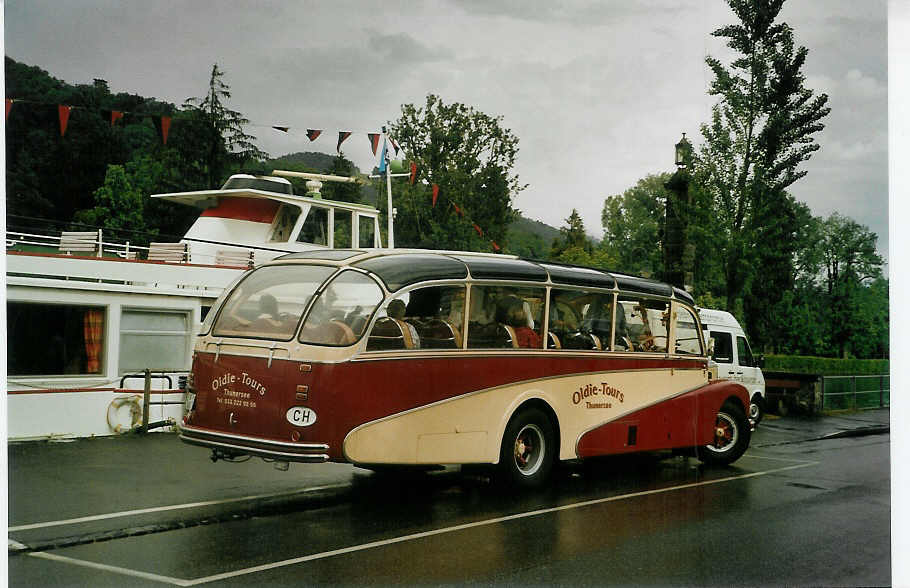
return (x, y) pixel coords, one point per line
(855, 392)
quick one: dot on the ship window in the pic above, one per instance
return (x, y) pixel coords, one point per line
(54, 339)
(342, 229)
(284, 222)
(155, 340)
(315, 227)
(367, 238)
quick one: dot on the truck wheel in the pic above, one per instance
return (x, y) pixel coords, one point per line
(528, 449)
(731, 437)
(757, 409)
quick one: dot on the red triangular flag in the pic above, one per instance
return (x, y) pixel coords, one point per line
(115, 116)
(458, 210)
(478, 229)
(313, 133)
(342, 135)
(64, 113)
(374, 141)
(413, 173)
(436, 195)
(165, 127)
(9, 105)
(495, 246)
(394, 144)
(282, 129)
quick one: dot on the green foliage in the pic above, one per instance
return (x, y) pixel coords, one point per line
(118, 204)
(825, 366)
(632, 225)
(761, 130)
(220, 130)
(470, 156)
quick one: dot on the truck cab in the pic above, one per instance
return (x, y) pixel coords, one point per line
(734, 358)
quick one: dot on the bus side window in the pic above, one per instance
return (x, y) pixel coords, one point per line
(744, 352)
(505, 317)
(580, 320)
(425, 318)
(687, 340)
(723, 347)
(647, 325)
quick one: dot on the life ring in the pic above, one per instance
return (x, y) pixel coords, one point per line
(135, 404)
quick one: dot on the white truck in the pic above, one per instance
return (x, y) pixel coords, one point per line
(734, 357)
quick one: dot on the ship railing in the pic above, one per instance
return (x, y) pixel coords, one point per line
(91, 243)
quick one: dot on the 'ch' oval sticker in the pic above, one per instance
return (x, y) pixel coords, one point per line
(301, 416)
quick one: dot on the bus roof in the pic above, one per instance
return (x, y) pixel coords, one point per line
(398, 268)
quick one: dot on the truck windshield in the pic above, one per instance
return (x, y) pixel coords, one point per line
(269, 302)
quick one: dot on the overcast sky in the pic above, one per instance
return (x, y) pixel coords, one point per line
(597, 92)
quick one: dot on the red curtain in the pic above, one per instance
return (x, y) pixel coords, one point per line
(93, 331)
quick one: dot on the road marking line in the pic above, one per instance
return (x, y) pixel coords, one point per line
(497, 520)
(778, 458)
(130, 513)
(117, 570)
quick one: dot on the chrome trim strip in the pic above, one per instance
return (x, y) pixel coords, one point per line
(284, 444)
(298, 457)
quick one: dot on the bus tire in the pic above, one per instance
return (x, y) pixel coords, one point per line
(528, 449)
(731, 437)
(757, 409)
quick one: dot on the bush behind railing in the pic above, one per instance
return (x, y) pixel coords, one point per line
(825, 366)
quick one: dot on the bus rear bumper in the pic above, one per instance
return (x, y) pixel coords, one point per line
(239, 445)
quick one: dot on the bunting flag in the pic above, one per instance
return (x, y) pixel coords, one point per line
(495, 246)
(382, 158)
(374, 141)
(115, 116)
(282, 129)
(313, 133)
(413, 173)
(395, 145)
(9, 105)
(458, 210)
(165, 128)
(478, 229)
(436, 195)
(342, 135)
(162, 126)
(64, 114)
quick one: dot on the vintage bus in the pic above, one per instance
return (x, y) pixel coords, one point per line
(416, 358)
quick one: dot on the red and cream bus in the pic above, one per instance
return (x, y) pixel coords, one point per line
(412, 357)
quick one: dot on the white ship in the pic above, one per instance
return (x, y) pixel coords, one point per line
(93, 324)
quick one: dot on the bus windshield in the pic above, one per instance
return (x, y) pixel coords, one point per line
(269, 302)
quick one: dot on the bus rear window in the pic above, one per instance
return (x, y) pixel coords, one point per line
(269, 302)
(341, 313)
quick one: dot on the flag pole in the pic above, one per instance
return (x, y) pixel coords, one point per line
(388, 184)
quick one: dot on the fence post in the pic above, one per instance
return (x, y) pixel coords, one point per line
(823, 395)
(853, 385)
(146, 400)
(881, 391)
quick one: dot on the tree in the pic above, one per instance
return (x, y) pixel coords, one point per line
(573, 246)
(118, 205)
(221, 131)
(850, 259)
(760, 131)
(344, 192)
(470, 156)
(632, 226)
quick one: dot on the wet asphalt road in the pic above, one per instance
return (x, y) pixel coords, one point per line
(792, 511)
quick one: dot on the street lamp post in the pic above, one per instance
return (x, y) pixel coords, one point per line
(678, 254)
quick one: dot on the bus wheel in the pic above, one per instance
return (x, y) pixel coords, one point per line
(528, 449)
(731, 437)
(756, 409)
